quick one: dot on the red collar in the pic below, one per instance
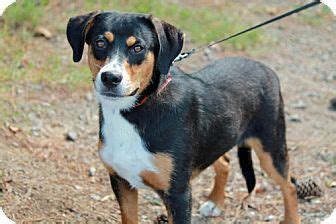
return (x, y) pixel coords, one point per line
(159, 90)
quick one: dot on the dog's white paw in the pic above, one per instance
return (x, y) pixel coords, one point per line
(209, 209)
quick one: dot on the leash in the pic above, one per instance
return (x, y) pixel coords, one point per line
(187, 54)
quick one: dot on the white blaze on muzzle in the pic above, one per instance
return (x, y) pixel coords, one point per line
(114, 66)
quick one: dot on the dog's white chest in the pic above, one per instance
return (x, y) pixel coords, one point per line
(124, 150)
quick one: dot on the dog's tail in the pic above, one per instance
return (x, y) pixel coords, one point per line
(246, 166)
(304, 188)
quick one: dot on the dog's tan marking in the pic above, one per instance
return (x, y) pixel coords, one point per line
(222, 168)
(94, 64)
(140, 75)
(287, 188)
(108, 168)
(130, 41)
(159, 180)
(128, 201)
(89, 26)
(109, 36)
(90, 23)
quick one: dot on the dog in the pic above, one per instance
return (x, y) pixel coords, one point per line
(160, 127)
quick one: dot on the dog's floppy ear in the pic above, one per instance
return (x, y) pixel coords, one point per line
(76, 32)
(170, 41)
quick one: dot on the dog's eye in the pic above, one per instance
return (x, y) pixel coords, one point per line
(100, 43)
(137, 48)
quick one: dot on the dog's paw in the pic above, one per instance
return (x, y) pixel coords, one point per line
(209, 209)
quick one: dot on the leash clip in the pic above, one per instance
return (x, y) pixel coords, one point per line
(184, 55)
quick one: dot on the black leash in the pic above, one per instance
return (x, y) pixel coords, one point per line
(192, 51)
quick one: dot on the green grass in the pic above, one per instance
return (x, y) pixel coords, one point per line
(25, 13)
(316, 16)
(203, 25)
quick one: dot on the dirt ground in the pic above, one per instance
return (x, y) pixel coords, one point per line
(47, 178)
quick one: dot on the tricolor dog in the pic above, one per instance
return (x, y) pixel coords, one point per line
(160, 127)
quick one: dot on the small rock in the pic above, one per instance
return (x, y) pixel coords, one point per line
(45, 104)
(85, 160)
(89, 97)
(300, 105)
(19, 91)
(37, 86)
(294, 118)
(107, 197)
(208, 54)
(81, 117)
(269, 218)
(315, 201)
(252, 213)
(78, 187)
(144, 217)
(15, 144)
(95, 118)
(331, 77)
(312, 94)
(71, 136)
(331, 184)
(155, 202)
(35, 133)
(95, 197)
(325, 57)
(91, 171)
(332, 105)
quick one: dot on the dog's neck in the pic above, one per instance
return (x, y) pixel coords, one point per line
(157, 84)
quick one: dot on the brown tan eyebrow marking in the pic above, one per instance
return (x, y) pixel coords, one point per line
(109, 36)
(131, 41)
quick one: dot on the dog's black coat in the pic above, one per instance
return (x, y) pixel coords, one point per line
(201, 116)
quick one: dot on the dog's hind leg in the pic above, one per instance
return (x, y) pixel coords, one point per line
(212, 207)
(274, 161)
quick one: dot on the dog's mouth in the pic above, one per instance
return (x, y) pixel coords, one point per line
(109, 94)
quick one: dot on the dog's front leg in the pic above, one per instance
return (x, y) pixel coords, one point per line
(127, 198)
(178, 205)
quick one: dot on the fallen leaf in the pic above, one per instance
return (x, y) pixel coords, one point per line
(42, 31)
(13, 129)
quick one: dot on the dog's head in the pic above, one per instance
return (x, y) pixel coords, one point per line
(126, 52)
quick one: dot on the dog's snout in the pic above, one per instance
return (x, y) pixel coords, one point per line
(110, 79)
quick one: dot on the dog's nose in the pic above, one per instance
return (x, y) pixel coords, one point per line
(110, 80)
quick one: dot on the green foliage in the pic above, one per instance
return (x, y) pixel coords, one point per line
(25, 13)
(203, 25)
